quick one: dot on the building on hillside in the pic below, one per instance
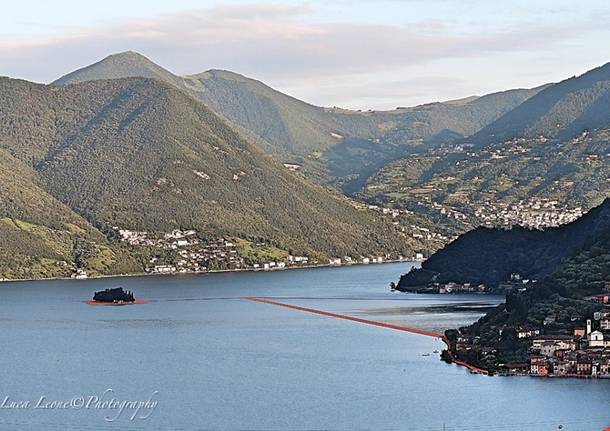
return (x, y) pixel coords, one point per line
(539, 366)
(563, 342)
(563, 368)
(599, 339)
(527, 332)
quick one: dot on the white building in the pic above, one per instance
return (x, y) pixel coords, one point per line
(596, 339)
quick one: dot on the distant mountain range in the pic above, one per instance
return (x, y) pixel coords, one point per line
(80, 162)
(332, 144)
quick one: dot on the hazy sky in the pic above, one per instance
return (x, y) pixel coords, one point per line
(356, 54)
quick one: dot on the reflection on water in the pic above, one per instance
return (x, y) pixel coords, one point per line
(225, 363)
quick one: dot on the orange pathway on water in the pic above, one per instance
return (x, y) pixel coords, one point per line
(374, 323)
(471, 367)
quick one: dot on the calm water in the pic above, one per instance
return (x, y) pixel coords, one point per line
(219, 361)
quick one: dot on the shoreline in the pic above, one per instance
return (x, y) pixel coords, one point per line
(472, 368)
(214, 271)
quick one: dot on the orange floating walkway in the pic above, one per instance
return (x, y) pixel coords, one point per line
(424, 332)
(346, 317)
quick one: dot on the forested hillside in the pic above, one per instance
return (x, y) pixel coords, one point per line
(556, 304)
(327, 142)
(554, 147)
(561, 110)
(489, 256)
(139, 154)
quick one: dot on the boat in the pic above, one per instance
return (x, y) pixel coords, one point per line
(115, 295)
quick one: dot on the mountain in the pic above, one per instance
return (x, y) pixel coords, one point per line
(490, 256)
(127, 64)
(84, 161)
(298, 132)
(554, 147)
(563, 110)
(38, 233)
(499, 184)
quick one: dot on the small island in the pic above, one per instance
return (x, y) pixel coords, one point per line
(114, 296)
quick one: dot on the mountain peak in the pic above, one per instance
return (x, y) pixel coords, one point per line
(126, 64)
(128, 53)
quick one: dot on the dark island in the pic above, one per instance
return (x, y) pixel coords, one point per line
(115, 295)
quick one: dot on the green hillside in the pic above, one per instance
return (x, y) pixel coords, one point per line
(327, 142)
(138, 154)
(561, 110)
(490, 256)
(572, 173)
(555, 305)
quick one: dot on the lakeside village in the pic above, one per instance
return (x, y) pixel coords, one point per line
(185, 251)
(516, 283)
(532, 213)
(585, 353)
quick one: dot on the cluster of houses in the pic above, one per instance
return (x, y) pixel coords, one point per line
(535, 214)
(185, 251)
(403, 221)
(348, 260)
(216, 254)
(169, 240)
(426, 234)
(447, 210)
(586, 353)
(451, 287)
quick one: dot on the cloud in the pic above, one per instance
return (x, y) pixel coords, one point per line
(281, 45)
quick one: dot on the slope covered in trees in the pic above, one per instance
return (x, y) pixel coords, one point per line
(561, 110)
(139, 154)
(554, 146)
(556, 304)
(489, 256)
(298, 132)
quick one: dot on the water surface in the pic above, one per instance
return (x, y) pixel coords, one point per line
(221, 362)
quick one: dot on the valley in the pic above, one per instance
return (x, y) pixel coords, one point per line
(126, 145)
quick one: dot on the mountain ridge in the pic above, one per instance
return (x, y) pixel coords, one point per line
(298, 132)
(561, 110)
(138, 154)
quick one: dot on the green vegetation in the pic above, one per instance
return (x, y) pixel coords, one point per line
(555, 145)
(254, 253)
(333, 145)
(561, 110)
(138, 154)
(557, 303)
(561, 296)
(489, 256)
(572, 173)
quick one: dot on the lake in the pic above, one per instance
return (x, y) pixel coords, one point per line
(205, 357)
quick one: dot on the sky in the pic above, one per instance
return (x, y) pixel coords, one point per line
(360, 54)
